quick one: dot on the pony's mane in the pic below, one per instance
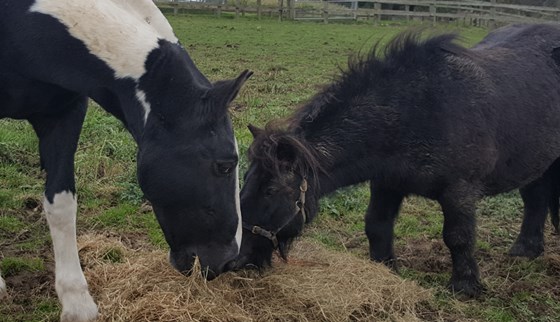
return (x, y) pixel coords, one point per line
(407, 51)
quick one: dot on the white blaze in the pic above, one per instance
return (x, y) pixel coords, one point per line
(239, 232)
(141, 97)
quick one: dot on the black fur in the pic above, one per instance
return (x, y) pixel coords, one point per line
(423, 117)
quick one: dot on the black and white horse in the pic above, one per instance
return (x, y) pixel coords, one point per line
(430, 118)
(123, 54)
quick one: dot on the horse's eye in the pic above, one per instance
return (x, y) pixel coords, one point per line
(225, 168)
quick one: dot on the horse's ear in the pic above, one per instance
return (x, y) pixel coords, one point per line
(223, 93)
(255, 131)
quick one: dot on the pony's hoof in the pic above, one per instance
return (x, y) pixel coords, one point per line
(389, 261)
(469, 288)
(392, 264)
(527, 248)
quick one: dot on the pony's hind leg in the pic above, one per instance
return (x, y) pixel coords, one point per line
(459, 225)
(58, 139)
(536, 198)
(383, 208)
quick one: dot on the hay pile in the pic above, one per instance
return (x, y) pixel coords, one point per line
(316, 285)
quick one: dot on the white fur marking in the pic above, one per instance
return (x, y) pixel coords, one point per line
(120, 32)
(3, 290)
(141, 96)
(239, 232)
(71, 285)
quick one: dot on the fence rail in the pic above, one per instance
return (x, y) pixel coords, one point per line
(487, 13)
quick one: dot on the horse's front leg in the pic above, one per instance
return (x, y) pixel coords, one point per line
(58, 138)
(383, 208)
(459, 227)
(3, 291)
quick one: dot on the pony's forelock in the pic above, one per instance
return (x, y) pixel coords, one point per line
(278, 137)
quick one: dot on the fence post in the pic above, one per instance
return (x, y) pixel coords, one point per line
(291, 10)
(492, 24)
(280, 9)
(236, 9)
(407, 10)
(433, 11)
(219, 11)
(325, 12)
(259, 9)
(376, 13)
(175, 7)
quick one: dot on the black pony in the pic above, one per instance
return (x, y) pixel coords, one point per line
(427, 118)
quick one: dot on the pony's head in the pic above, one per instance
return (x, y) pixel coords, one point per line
(188, 170)
(278, 196)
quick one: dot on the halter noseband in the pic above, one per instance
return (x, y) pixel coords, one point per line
(271, 235)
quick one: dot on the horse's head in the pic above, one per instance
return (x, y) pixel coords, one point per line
(278, 196)
(188, 170)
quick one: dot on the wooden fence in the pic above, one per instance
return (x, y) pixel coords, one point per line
(488, 13)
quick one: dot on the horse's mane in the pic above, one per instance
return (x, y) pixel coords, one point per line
(406, 52)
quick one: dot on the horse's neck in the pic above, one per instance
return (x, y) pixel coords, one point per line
(171, 78)
(118, 37)
(124, 105)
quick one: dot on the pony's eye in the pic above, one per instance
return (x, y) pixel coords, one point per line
(224, 168)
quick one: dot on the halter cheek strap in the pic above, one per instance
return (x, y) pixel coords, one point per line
(300, 203)
(271, 235)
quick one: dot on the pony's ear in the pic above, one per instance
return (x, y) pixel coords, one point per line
(223, 93)
(255, 131)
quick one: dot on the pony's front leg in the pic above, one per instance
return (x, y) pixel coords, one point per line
(536, 198)
(383, 208)
(459, 227)
(58, 138)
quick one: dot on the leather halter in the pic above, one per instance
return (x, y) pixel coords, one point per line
(271, 235)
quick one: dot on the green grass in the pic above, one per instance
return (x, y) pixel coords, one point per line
(10, 224)
(11, 266)
(290, 61)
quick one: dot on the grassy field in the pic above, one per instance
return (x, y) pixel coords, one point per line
(290, 61)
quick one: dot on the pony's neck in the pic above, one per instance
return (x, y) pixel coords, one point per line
(355, 152)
